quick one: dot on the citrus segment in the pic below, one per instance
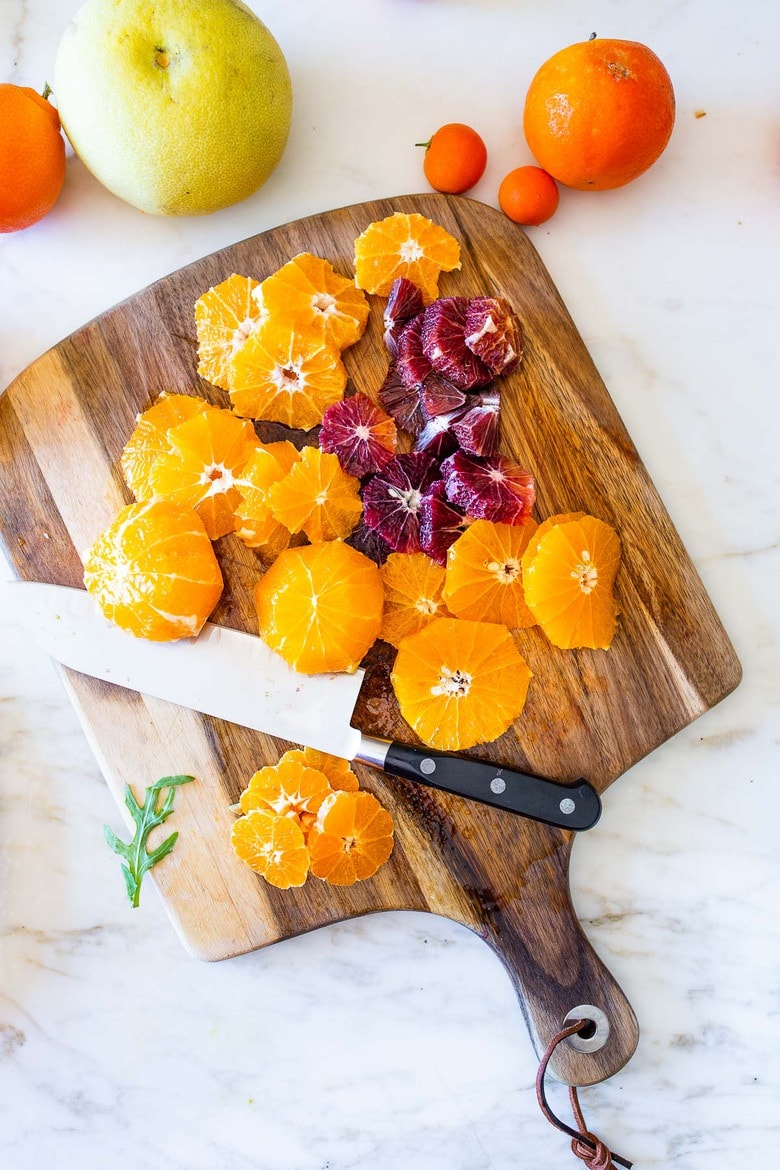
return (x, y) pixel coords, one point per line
(286, 375)
(149, 440)
(207, 453)
(413, 595)
(545, 526)
(153, 571)
(308, 291)
(316, 497)
(224, 318)
(460, 683)
(484, 576)
(254, 521)
(272, 846)
(404, 245)
(352, 837)
(289, 789)
(338, 772)
(568, 585)
(320, 606)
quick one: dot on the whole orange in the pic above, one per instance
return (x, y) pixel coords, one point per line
(455, 158)
(599, 113)
(32, 157)
(528, 195)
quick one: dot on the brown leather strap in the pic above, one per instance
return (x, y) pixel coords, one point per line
(585, 1145)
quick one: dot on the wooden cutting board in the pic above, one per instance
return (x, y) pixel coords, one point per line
(63, 424)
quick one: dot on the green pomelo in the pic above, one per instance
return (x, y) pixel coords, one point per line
(179, 107)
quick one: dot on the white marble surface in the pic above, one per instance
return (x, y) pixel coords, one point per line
(396, 1041)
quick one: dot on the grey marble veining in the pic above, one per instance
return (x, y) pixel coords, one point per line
(396, 1040)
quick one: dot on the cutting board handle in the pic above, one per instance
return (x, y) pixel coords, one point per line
(554, 969)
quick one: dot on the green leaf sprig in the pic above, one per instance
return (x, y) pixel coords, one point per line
(148, 816)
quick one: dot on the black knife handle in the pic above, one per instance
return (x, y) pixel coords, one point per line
(569, 806)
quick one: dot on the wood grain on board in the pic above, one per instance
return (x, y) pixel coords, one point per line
(63, 424)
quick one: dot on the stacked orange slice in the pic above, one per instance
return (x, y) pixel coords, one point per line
(306, 815)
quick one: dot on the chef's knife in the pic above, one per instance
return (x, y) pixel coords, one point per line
(236, 677)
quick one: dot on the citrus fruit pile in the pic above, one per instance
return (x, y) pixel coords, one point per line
(433, 549)
(306, 815)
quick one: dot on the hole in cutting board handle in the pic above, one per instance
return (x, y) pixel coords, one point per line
(594, 1033)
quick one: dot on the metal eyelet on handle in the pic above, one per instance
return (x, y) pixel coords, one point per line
(600, 1022)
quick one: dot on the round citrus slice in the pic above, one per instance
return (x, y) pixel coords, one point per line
(286, 375)
(308, 291)
(538, 536)
(320, 606)
(149, 440)
(484, 576)
(290, 788)
(272, 846)
(569, 582)
(154, 573)
(413, 595)
(351, 838)
(460, 683)
(224, 318)
(254, 521)
(404, 245)
(338, 772)
(207, 453)
(316, 497)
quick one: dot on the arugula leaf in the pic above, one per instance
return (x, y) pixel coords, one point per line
(137, 859)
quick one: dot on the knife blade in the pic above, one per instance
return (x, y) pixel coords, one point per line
(234, 676)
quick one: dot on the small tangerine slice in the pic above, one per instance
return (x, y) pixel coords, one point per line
(308, 291)
(224, 318)
(207, 453)
(317, 497)
(149, 440)
(569, 582)
(545, 526)
(286, 375)
(340, 776)
(484, 576)
(404, 245)
(153, 571)
(460, 683)
(352, 837)
(413, 595)
(254, 522)
(320, 606)
(272, 846)
(289, 788)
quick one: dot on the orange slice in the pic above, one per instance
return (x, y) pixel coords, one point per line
(484, 576)
(254, 521)
(460, 683)
(338, 772)
(286, 375)
(153, 572)
(352, 837)
(149, 440)
(320, 606)
(541, 532)
(413, 595)
(272, 846)
(224, 318)
(290, 788)
(404, 245)
(207, 454)
(569, 582)
(308, 291)
(317, 497)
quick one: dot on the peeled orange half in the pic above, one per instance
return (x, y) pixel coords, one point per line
(153, 571)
